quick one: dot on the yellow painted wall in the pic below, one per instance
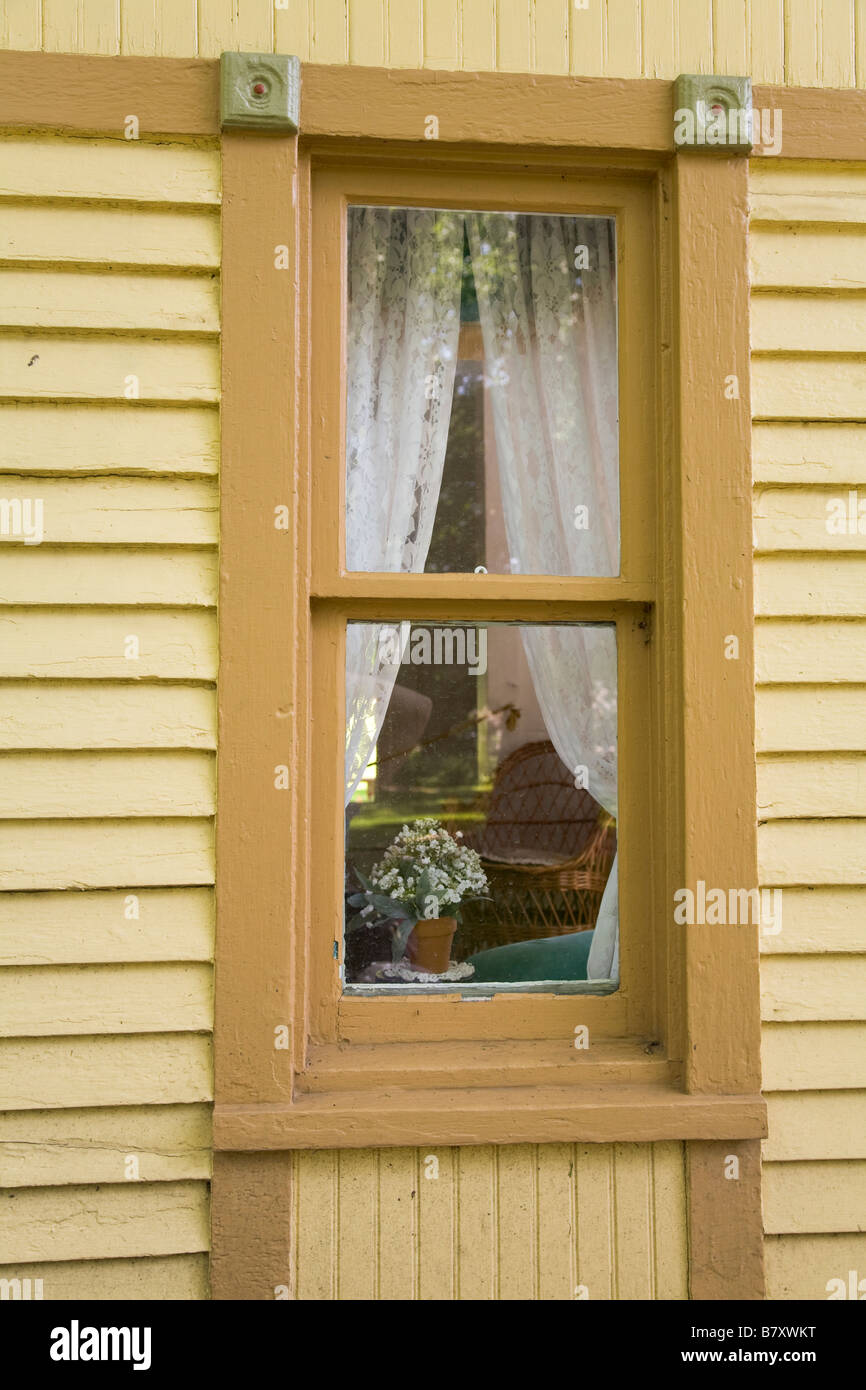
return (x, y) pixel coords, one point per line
(808, 244)
(108, 762)
(523, 1221)
(803, 42)
(107, 759)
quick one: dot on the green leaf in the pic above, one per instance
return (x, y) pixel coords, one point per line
(400, 935)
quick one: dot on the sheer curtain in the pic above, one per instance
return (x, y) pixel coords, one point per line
(546, 296)
(405, 268)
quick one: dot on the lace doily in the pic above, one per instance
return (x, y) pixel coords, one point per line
(407, 974)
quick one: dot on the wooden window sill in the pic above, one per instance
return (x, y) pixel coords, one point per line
(494, 1115)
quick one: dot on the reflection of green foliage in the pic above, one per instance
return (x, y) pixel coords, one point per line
(468, 297)
(457, 545)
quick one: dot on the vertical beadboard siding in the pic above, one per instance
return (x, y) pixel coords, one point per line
(809, 397)
(515, 1222)
(106, 762)
(801, 42)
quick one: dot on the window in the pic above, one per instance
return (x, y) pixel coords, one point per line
(482, 379)
(481, 436)
(673, 1050)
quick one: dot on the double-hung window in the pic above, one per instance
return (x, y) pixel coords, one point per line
(483, 500)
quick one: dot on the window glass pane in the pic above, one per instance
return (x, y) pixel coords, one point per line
(480, 786)
(482, 410)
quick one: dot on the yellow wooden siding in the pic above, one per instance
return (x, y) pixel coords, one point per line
(808, 250)
(109, 255)
(802, 42)
(141, 1279)
(515, 1222)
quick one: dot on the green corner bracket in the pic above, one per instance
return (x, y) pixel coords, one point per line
(713, 113)
(260, 91)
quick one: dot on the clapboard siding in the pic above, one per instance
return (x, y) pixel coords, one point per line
(40, 854)
(135, 439)
(140, 1279)
(809, 451)
(59, 575)
(92, 643)
(789, 586)
(105, 714)
(108, 301)
(109, 419)
(814, 1056)
(821, 1197)
(86, 235)
(53, 1148)
(803, 1266)
(153, 924)
(103, 1221)
(76, 785)
(808, 251)
(134, 1069)
(44, 1001)
(93, 170)
(818, 1124)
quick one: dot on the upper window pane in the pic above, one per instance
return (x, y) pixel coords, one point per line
(482, 409)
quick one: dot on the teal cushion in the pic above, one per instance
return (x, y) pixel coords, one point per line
(552, 958)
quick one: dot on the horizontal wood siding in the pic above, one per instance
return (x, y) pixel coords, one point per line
(109, 256)
(809, 394)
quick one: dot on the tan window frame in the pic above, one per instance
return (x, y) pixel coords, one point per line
(665, 1059)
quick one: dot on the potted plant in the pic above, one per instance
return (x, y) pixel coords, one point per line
(422, 874)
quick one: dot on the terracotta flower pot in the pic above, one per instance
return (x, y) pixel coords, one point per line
(429, 945)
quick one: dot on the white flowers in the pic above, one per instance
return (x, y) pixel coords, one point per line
(424, 857)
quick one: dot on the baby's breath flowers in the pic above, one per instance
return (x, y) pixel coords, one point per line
(425, 873)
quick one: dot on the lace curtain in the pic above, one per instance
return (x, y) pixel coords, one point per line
(546, 297)
(405, 268)
(546, 293)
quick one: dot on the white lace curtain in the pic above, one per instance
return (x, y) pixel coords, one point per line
(546, 294)
(405, 268)
(550, 350)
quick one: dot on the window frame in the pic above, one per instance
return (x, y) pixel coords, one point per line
(337, 595)
(688, 1074)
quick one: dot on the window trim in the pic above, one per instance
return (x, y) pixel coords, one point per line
(311, 1095)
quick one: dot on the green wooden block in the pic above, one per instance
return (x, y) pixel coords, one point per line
(713, 113)
(260, 91)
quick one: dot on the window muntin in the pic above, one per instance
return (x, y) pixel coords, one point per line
(482, 425)
(481, 788)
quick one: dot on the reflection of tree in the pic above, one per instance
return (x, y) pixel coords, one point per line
(458, 536)
(512, 718)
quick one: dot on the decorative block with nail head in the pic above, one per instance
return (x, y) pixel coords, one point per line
(260, 91)
(713, 113)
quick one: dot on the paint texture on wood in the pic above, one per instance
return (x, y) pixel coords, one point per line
(808, 237)
(801, 42)
(548, 1222)
(109, 418)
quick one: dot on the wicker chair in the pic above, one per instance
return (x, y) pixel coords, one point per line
(547, 848)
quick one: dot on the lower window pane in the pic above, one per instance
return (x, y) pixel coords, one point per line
(481, 782)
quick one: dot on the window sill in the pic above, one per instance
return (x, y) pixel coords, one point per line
(384, 1095)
